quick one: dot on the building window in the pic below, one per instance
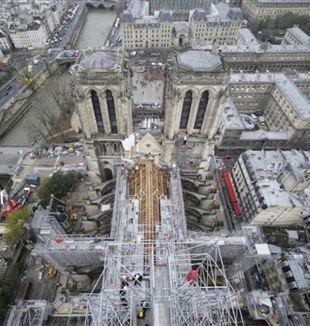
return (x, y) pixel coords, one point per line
(111, 110)
(186, 109)
(202, 108)
(97, 111)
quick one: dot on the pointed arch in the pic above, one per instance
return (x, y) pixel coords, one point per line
(186, 109)
(111, 110)
(97, 111)
(202, 108)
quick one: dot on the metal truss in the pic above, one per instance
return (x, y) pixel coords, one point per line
(206, 298)
(123, 261)
(184, 283)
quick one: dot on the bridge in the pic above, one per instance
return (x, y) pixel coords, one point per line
(107, 4)
(67, 56)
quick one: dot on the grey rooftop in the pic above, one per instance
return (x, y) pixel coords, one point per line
(299, 34)
(147, 20)
(226, 13)
(181, 27)
(99, 61)
(293, 2)
(199, 60)
(264, 135)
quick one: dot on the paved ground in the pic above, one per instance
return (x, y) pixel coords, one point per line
(43, 286)
(9, 157)
(147, 91)
(46, 165)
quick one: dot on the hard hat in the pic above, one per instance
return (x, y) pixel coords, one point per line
(141, 314)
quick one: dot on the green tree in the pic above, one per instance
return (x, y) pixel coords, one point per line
(15, 225)
(44, 192)
(26, 78)
(59, 185)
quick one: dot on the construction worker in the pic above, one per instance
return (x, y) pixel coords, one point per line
(137, 278)
(140, 314)
(144, 305)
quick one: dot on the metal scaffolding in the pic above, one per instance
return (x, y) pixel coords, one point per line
(151, 268)
(117, 304)
(200, 291)
(71, 250)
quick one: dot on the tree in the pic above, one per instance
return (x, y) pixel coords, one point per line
(26, 78)
(44, 192)
(15, 225)
(51, 111)
(270, 29)
(59, 185)
(44, 122)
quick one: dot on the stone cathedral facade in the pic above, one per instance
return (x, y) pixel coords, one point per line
(190, 105)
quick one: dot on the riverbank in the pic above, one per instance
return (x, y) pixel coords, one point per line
(19, 134)
(96, 28)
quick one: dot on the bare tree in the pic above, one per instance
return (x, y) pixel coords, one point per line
(51, 110)
(43, 123)
(62, 95)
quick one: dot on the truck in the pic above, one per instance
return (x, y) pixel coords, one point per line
(32, 180)
(36, 60)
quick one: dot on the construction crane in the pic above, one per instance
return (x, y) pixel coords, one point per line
(7, 204)
(224, 178)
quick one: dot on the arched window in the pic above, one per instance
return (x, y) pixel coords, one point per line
(186, 109)
(111, 110)
(202, 108)
(97, 111)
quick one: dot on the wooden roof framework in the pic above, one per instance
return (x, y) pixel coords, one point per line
(148, 184)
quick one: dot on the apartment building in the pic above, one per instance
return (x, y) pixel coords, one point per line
(4, 41)
(250, 55)
(267, 110)
(33, 35)
(213, 27)
(218, 26)
(296, 36)
(265, 195)
(261, 9)
(289, 275)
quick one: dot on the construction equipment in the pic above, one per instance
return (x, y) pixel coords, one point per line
(7, 204)
(225, 180)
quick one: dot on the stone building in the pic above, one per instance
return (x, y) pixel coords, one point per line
(104, 108)
(147, 32)
(250, 55)
(195, 89)
(265, 183)
(32, 35)
(4, 41)
(261, 9)
(218, 26)
(296, 36)
(190, 98)
(212, 28)
(264, 110)
(288, 275)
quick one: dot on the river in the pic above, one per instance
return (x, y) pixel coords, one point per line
(95, 30)
(92, 35)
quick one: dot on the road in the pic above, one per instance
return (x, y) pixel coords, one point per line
(65, 31)
(12, 88)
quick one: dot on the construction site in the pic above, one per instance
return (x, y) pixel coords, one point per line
(154, 271)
